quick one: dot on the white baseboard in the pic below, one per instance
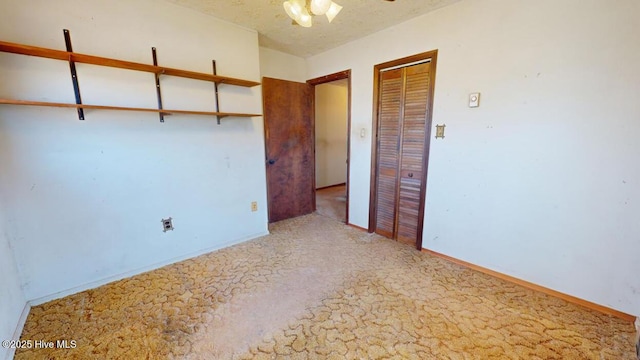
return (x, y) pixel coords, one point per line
(19, 328)
(104, 281)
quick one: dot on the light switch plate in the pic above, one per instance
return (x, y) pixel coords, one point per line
(474, 100)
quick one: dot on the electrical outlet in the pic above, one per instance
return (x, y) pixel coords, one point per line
(167, 224)
(254, 206)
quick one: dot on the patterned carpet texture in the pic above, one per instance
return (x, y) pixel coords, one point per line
(317, 289)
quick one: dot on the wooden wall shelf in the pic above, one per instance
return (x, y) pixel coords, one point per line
(73, 57)
(101, 61)
(105, 107)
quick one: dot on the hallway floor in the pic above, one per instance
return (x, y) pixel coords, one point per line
(332, 202)
(318, 289)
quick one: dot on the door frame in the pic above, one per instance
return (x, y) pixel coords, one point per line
(345, 74)
(377, 69)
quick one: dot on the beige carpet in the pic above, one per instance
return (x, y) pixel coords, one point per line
(317, 289)
(332, 202)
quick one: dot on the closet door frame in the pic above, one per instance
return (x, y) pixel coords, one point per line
(432, 56)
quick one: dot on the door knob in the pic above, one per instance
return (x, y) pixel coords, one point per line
(271, 161)
(410, 175)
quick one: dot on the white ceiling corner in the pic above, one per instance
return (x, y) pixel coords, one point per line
(357, 19)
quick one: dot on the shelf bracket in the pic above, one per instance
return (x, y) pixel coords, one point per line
(155, 63)
(215, 86)
(74, 74)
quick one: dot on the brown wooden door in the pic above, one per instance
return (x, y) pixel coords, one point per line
(289, 148)
(402, 146)
(414, 129)
(389, 116)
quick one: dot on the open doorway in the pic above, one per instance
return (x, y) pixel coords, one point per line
(332, 126)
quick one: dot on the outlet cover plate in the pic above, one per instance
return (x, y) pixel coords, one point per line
(167, 225)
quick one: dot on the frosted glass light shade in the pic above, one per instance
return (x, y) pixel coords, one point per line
(294, 8)
(305, 19)
(320, 7)
(334, 9)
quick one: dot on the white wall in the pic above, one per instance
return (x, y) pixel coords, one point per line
(12, 301)
(542, 181)
(279, 65)
(84, 199)
(331, 109)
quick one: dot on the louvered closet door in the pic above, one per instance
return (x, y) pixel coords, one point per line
(414, 128)
(402, 130)
(388, 150)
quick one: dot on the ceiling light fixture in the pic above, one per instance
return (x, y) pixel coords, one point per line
(301, 11)
(333, 11)
(320, 7)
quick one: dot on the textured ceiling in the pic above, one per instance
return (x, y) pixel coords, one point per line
(358, 18)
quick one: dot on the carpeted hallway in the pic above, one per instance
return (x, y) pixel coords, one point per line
(332, 202)
(317, 289)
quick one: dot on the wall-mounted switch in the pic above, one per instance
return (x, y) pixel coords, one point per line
(440, 131)
(254, 206)
(474, 100)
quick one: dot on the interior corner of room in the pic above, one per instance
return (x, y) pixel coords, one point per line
(535, 179)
